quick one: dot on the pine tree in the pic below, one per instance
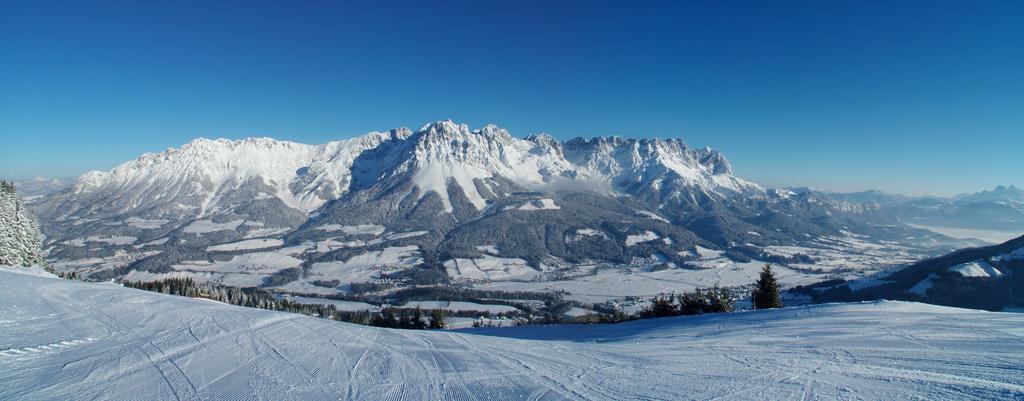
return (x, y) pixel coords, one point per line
(417, 319)
(437, 320)
(20, 240)
(766, 295)
(661, 306)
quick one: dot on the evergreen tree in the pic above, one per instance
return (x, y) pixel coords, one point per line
(437, 320)
(417, 319)
(720, 300)
(766, 295)
(20, 240)
(662, 306)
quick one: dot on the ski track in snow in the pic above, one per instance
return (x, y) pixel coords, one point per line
(63, 339)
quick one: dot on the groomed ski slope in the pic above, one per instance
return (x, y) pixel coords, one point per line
(63, 339)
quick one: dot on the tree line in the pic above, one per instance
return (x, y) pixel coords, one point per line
(262, 299)
(766, 295)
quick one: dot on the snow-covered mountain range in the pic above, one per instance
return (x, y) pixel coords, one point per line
(470, 204)
(200, 176)
(994, 216)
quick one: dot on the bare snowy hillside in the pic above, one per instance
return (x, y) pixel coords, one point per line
(63, 339)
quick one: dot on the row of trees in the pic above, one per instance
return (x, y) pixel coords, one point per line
(409, 319)
(699, 301)
(716, 300)
(710, 300)
(262, 299)
(20, 240)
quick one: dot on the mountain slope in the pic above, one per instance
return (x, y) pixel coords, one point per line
(989, 277)
(73, 340)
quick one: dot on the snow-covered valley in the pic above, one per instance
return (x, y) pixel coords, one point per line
(62, 339)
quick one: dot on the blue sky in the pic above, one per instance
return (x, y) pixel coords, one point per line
(915, 97)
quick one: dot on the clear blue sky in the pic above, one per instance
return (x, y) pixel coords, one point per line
(915, 97)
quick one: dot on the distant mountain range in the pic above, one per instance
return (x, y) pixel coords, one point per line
(444, 193)
(38, 186)
(998, 210)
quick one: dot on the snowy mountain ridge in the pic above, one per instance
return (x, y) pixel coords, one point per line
(306, 176)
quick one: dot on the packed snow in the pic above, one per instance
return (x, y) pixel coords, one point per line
(64, 339)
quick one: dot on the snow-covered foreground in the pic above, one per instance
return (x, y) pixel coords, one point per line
(71, 340)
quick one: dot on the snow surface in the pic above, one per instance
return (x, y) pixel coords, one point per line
(339, 304)
(146, 224)
(109, 240)
(302, 176)
(976, 268)
(489, 267)
(360, 268)
(63, 339)
(458, 306)
(491, 249)
(245, 270)
(544, 204)
(246, 245)
(642, 237)
(583, 233)
(207, 226)
(922, 287)
(651, 215)
(362, 229)
(435, 176)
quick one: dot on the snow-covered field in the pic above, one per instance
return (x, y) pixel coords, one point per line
(339, 304)
(458, 306)
(207, 226)
(489, 267)
(846, 257)
(361, 268)
(246, 245)
(613, 283)
(245, 270)
(63, 339)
